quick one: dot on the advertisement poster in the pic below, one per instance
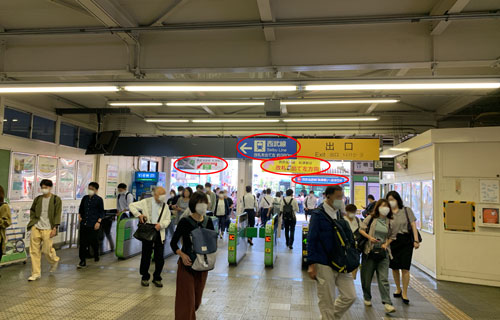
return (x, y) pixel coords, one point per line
(406, 194)
(427, 207)
(360, 194)
(111, 181)
(489, 191)
(22, 176)
(16, 234)
(398, 187)
(293, 165)
(416, 201)
(47, 169)
(66, 184)
(84, 177)
(490, 215)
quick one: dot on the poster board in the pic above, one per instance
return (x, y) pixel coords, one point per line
(398, 187)
(459, 215)
(46, 169)
(360, 194)
(111, 181)
(22, 176)
(416, 202)
(406, 195)
(66, 183)
(84, 177)
(427, 207)
(489, 191)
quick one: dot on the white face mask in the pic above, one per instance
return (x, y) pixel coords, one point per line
(201, 208)
(162, 198)
(91, 192)
(384, 211)
(337, 204)
(393, 204)
(351, 214)
(46, 190)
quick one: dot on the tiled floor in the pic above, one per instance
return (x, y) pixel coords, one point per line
(111, 289)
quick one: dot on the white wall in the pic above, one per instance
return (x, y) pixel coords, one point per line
(467, 256)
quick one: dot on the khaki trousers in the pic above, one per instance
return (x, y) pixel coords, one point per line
(41, 242)
(327, 281)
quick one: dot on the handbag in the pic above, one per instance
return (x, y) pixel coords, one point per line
(410, 230)
(361, 243)
(147, 231)
(377, 254)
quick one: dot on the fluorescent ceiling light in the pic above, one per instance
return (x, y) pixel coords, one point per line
(57, 89)
(400, 149)
(208, 88)
(331, 119)
(305, 102)
(137, 104)
(166, 120)
(234, 120)
(387, 156)
(405, 86)
(212, 104)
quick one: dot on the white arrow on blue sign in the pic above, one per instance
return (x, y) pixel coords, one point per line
(266, 148)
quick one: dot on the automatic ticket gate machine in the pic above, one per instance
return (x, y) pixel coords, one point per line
(239, 232)
(237, 245)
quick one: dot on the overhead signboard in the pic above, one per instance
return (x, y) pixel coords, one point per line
(386, 164)
(341, 149)
(266, 148)
(200, 164)
(293, 165)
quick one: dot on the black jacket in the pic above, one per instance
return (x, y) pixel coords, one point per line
(91, 210)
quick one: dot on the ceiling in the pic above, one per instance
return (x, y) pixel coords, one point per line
(251, 41)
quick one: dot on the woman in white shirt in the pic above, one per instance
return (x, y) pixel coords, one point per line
(221, 212)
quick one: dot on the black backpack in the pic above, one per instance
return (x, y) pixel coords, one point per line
(288, 213)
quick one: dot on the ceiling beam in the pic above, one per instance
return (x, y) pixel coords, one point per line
(208, 110)
(176, 5)
(456, 104)
(369, 109)
(111, 15)
(67, 5)
(266, 15)
(444, 7)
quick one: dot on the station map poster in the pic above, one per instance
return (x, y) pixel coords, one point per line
(66, 184)
(47, 169)
(341, 149)
(111, 181)
(84, 177)
(416, 202)
(22, 176)
(489, 191)
(427, 207)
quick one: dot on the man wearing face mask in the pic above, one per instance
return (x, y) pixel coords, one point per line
(153, 210)
(90, 215)
(322, 242)
(123, 200)
(45, 216)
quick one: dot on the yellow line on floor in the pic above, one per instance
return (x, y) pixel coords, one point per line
(443, 305)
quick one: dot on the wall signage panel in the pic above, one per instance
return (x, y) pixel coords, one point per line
(341, 149)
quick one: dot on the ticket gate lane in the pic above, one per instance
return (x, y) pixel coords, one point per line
(271, 241)
(237, 243)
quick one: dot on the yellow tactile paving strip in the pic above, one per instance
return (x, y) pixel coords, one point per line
(443, 305)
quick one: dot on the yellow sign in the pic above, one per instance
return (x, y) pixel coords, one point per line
(268, 250)
(360, 195)
(231, 248)
(293, 165)
(341, 149)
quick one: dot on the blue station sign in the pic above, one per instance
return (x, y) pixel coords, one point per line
(266, 148)
(320, 180)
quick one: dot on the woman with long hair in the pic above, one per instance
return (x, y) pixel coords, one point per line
(402, 247)
(378, 228)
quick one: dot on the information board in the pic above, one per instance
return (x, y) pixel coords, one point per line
(266, 148)
(293, 165)
(341, 149)
(22, 176)
(320, 180)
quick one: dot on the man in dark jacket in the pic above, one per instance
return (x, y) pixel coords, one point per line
(321, 248)
(90, 215)
(370, 206)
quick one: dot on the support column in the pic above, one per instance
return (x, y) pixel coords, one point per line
(167, 168)
(2, 113)
(245, 175)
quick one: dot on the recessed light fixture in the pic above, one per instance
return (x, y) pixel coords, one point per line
(136, 104)
(354, 119)
(351, 101)
(233, 120)
(211, 88)
(58, 89)
(404, 86)
(166, 120)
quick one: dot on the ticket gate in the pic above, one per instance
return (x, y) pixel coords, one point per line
(239, 232)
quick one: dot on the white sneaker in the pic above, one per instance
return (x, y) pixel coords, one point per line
(368, 303)
(33, 278)
(389, 309)
(53, 268)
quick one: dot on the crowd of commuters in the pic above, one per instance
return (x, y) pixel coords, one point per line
(384, 238)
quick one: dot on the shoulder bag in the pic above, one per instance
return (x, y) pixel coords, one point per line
(410, 230)
(147, 231)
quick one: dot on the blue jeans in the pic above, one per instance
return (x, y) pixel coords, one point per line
(368, 268)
